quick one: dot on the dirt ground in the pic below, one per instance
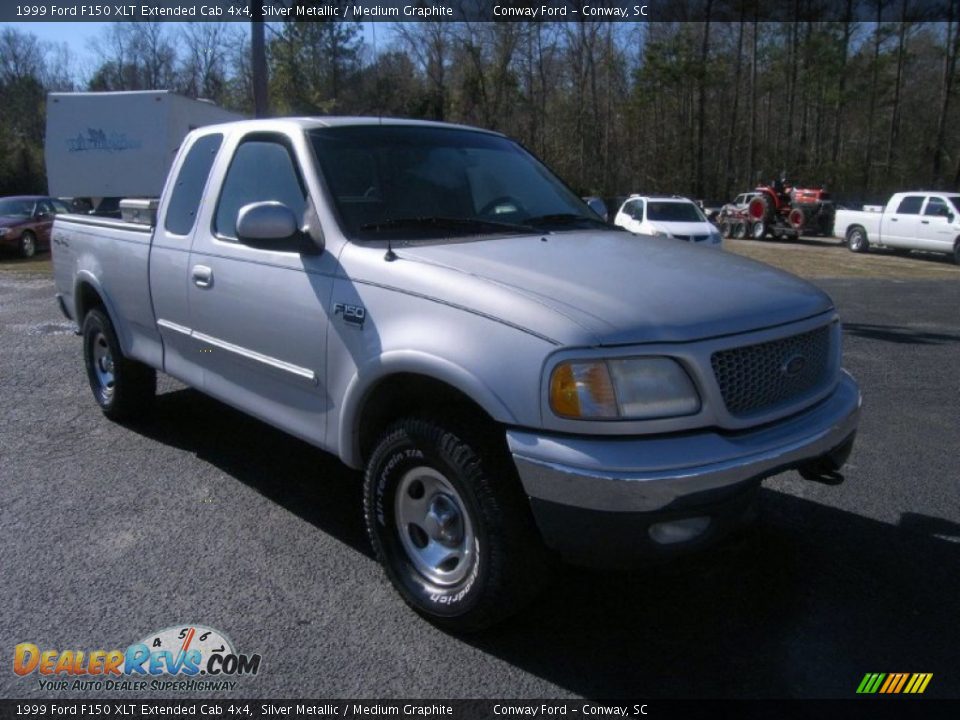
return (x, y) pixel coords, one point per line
(829, 258)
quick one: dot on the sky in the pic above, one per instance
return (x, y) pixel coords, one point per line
(77, 35)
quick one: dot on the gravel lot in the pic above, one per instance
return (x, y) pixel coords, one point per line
(206, 516)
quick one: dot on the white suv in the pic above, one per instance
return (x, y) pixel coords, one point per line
(673, 217)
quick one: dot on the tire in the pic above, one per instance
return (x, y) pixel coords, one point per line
(28, 244)
(759, 208)
(123, 388)
(956, 253)
(758, 230)
(740, 230)
(451, 526)
(726, 229)
(857, 240)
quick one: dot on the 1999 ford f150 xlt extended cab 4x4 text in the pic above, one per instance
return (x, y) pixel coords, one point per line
(518, 379)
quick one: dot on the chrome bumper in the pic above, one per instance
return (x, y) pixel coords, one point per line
(649, 474)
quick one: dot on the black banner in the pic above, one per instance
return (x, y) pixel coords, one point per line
(474, 10)
(867, 708)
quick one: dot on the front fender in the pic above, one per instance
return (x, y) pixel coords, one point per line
(416, 362)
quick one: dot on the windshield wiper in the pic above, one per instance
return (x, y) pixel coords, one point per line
(564, 219)
(440, 222)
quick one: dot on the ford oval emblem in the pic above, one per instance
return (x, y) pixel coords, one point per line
(793, 365)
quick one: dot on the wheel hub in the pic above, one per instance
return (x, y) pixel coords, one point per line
(103, 364)
(434, 526)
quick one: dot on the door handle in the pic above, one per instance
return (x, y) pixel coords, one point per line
(925, 222)
(893, 219)
(202, 276)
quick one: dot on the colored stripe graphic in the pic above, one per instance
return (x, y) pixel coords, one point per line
(903, 679)
(894, 683)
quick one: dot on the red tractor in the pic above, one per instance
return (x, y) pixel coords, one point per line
(784, 211)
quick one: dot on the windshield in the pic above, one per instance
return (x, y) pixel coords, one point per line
(433, 182)
(16, 208)
(674, 212)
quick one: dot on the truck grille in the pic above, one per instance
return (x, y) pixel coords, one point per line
(755, 378)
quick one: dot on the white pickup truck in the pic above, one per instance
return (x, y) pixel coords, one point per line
(517, 378)
(919, 220)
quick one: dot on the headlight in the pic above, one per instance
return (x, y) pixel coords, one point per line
(637, 388)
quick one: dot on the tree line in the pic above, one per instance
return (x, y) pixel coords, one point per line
(705, 109)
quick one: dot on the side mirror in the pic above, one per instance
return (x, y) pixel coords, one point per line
(599, 207)
(269, 225)
(951, 217)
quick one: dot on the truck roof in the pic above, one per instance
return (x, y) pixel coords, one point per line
(312, 123)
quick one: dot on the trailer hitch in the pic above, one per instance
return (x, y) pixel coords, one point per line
(826, 468)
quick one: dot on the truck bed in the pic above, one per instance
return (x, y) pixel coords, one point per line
(113, 256)
(869, 220)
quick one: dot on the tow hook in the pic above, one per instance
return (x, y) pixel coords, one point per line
(826, 468)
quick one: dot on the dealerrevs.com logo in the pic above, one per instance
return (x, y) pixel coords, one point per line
(183, 657)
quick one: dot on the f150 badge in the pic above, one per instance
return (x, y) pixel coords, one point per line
(353, 314)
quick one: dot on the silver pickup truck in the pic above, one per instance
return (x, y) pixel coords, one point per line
(518, 380)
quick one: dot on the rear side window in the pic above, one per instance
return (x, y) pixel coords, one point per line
(261, 170)
(910, 205)
(185, 200)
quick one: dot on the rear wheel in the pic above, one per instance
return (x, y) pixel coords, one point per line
(123, 388)
(726, 229)
(857, 240)
(956, 253)
(740, 230)
(450, 524)
(28, 244)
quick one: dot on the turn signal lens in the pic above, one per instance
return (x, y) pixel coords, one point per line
(582, 390)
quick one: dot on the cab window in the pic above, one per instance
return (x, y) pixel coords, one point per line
(910, 205)
(186, 195)
(936, 207)
(262, 170)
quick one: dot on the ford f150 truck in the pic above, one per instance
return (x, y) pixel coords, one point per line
(518, 380)
(910, 221)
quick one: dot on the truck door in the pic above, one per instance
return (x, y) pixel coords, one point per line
(170, 257)
(900, 228)
(936, 230)
(259, 313)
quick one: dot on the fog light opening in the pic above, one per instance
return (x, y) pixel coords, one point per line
(678, 531)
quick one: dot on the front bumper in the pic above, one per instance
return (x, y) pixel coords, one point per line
(600, 497)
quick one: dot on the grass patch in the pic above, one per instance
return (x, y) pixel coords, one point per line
(37, 265)
(828, 258)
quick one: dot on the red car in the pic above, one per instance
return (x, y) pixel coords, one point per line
(25, 222)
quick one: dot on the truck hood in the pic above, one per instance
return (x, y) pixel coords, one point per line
(615, 287)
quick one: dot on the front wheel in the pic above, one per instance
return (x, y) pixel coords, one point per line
(123, 388)
(759, 230)
(450, 525)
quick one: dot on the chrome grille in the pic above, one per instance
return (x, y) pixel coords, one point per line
(756, 378)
